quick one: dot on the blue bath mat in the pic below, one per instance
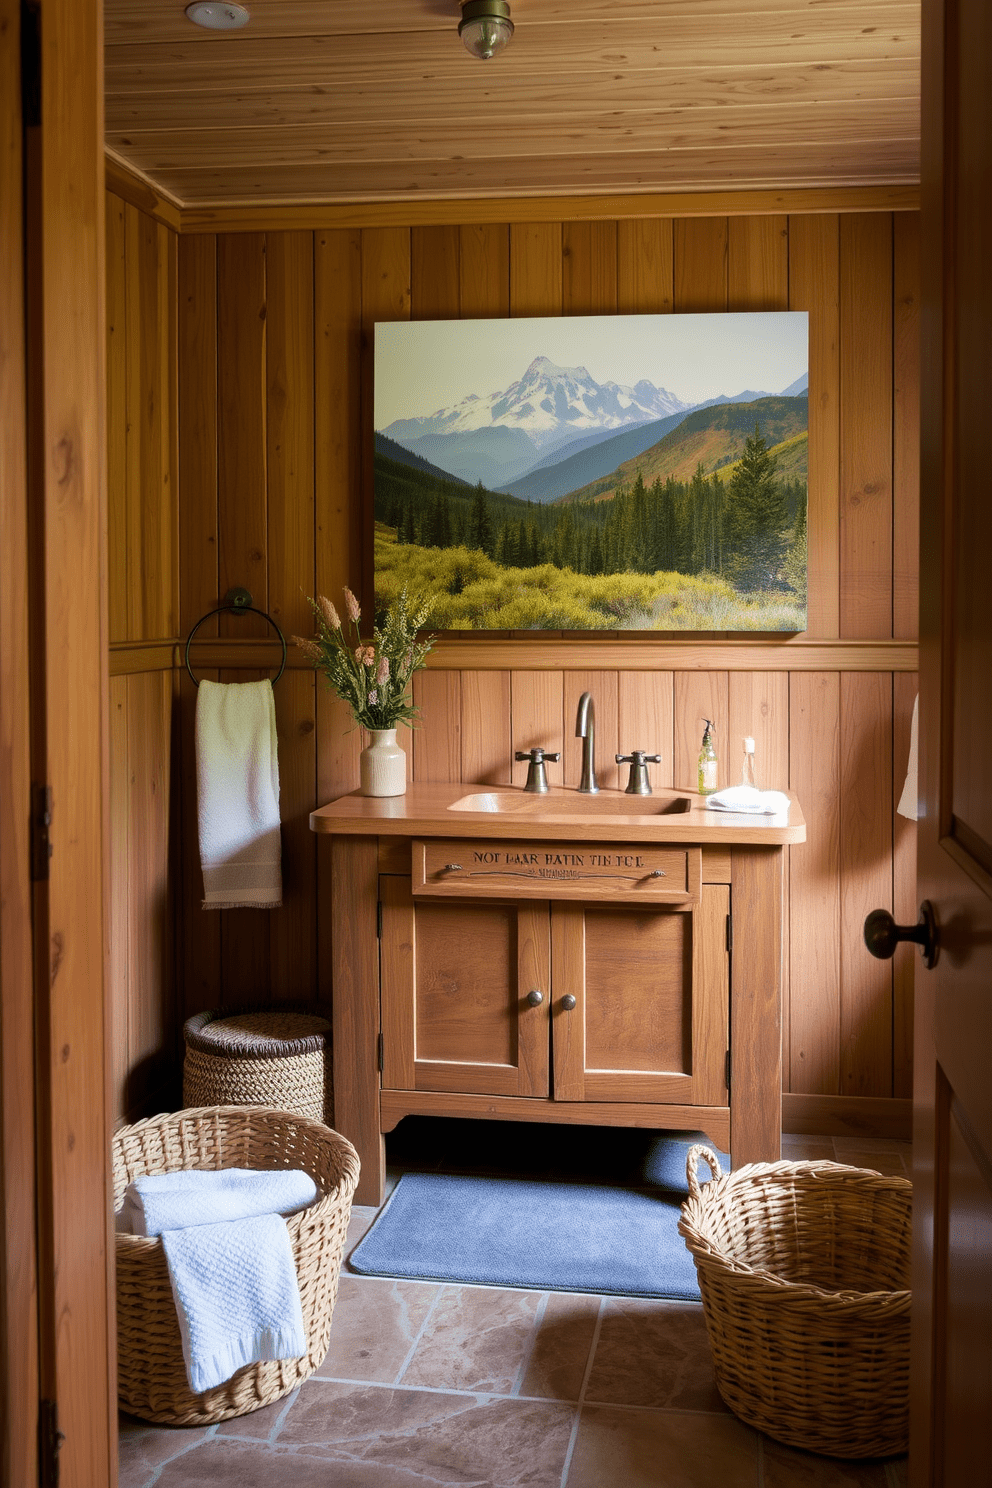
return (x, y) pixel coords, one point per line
(546, 1235)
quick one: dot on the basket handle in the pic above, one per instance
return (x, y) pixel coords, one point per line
(692, 1162)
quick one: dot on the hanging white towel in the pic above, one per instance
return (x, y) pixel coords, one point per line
(237, 774)
(908, 801)
(234, 1281)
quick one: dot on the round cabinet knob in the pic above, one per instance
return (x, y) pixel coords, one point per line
(882, 934)
(535, 998)
(568, 1002)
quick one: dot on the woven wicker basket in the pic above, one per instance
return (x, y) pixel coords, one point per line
(279, 1058)
(803, 1269)
(151, 1374)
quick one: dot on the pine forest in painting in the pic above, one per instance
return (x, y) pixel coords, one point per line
(594, 473)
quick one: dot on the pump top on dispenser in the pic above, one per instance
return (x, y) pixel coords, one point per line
(707, 762)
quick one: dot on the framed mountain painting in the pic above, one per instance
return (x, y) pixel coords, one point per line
(632, 472)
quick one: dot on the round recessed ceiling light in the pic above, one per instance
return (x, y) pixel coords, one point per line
(217, 16)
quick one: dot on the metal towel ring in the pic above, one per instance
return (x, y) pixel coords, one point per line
(237, 602)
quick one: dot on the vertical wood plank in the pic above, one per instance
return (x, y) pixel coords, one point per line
(758, 263)
(150, 980)
(589, 268)
(199, 581)
(700, 263)
(866, 425)
(535, 268)
(759, 707)
(337, 413)
(293, 928)
(906, 426)
(117, 587)
(484, 270)
(814, 872)
(866, 879)
(241, 425)
(700, 695)
(162, 529)
(905, 904)
(645, 266)
(385, 296)
(646, 720)
(485, 724)
(437, 740)
(435, 273)
(814, 286)
(150, 525)
(536, 719)
(290, 429)
(171, 362)
(118, 970)
(604, 691)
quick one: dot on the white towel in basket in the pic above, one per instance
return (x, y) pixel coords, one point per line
(230, 1263)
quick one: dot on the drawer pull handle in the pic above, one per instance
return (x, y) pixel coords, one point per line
(451, 868)
(535, 998)
(568, 1002)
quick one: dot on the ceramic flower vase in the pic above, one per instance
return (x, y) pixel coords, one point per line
(383, 765)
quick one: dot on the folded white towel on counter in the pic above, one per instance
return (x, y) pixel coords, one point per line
(172, 1201)
(747, 798)
(230, 1263)
(237, 776)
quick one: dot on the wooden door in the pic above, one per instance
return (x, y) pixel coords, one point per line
(952, 1280)
(640, 1008)
(465, 993)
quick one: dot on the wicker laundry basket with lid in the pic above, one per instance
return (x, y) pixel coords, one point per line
(804, 1272)
(151, 1373)
(277, 1057)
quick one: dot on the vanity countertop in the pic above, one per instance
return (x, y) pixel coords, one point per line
(503, 811)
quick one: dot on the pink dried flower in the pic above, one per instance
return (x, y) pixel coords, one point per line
(365, 655)
(310, 649)
(329, 613)
(382, 674)
(351, 605)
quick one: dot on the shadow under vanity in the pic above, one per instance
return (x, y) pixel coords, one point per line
(607, 959)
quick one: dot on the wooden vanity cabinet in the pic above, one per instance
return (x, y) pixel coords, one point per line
(555, 998)
(440, 939)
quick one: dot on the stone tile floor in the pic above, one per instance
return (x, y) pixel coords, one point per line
(427, 1385)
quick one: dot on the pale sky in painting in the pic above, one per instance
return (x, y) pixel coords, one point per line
(423, 366)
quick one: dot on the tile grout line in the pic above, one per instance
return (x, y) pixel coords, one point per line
(587, 1374)
(420, 1333)
(159, 1469)
(538, 1319)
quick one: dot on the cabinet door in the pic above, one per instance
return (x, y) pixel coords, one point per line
(651, 999)
(455, 981)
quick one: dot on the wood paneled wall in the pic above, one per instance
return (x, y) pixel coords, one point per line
(275, 428)
(143, 582)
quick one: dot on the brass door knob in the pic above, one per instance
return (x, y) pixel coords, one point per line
(568, 1002)
(535, 998)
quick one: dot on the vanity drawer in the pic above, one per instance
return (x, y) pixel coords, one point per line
(637, 873)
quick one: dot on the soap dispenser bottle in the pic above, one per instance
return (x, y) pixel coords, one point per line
(707, 762)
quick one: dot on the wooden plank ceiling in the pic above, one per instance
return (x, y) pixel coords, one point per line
(377, 100)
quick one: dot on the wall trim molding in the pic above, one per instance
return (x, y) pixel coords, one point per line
(143, 191)
(127, 657)
(847, 1116)
(504, 653)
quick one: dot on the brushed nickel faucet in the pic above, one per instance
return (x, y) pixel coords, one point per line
(585, 729)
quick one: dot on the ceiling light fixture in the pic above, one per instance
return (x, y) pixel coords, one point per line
(216, 16)
(485, 27)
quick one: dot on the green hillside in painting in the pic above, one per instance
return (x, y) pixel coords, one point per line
(704, 530)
